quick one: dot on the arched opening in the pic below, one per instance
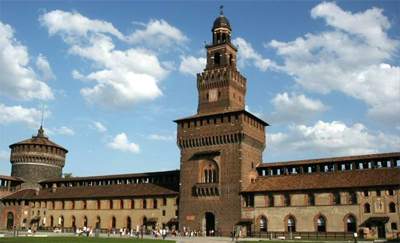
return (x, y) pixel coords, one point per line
(98, 204)
(223, 37)
(132, 204)
(155, 204)
(73, 222)
(392, 207)
(367, 208)
(85, 221)
(311, 200)
(128, 224)
(110, 204)
(353, 198)
(61, 221)
(217, 59)
(321, 226)
(144, 204)
(287, 200)
(351, 224)
(210, 223)
(291, 224)
(10, 220)
(98, 222)
(270, 201)
(51, 221)
(84, 204)
(218, 38)
(336, 199)
(113, 222)
(210, 173)
(144, 220)
(263, 224)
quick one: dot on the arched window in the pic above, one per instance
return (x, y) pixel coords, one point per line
(291, 224)
(223, 37)
(110, 204)
(392, 207)
(113, 222)
(367, 208)
(353, 198)
(217, 59)
(10, 220)
(121, 204)
(85, 221)
(73, 221)
(155, 203)
(144, 203)
(351, 224)
(98, 222)
(286, 200)
(336, 198)
(132, 204)
(210, 173)
(271, 201)
(311, 200)
(321, 227)
(263, 224)
(61, 221)
(51, 221)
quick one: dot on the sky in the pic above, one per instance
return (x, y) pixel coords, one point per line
(110, 77)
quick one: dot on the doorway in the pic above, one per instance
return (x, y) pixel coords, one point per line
(10, 220)
(381, 230)
(210, 223)
(128, 224)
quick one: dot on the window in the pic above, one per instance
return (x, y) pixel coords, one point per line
(121, 204)
(210, 173)
(286, 200)
(353, 198)
(291, 224)
(321, 227)
(393, 226)
(270, 201)
(132, 204)
(367, 208)
(248, 201)
(336, 199)
(144, 204)
(263, 224)
(84, 204)
(217, 58)
(61, 204)
(378, 193)
(110, 204)
(164, 201)
(390, 192)
(98, 204)
(366, 193)
(155, 203)
(392, 207)
(163, 213)
(351, 224)
(72, 205)
(311, 199)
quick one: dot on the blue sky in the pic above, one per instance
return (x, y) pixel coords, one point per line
(112, 76)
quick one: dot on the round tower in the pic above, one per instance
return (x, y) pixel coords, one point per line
(37, 159)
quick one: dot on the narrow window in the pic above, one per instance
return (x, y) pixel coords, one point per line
(392, 207)
(367, 208)
(336, 199)
(353, 198)
(311, 200)
(286, 200)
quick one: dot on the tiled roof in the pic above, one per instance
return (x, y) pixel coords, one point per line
(222, 113)
(327, 180)
(118, 176)
(331, 160)
(39, 139)
(10, 178)
(111, 191)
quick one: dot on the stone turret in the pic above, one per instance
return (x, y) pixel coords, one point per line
(37, 159)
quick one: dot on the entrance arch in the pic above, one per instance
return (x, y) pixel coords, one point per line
(210, 223)
(10, 220)
(128, 223)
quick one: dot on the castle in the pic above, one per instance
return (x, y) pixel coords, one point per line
(222, 185)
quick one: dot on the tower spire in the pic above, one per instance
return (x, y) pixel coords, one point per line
(41, 131)
(221, 8)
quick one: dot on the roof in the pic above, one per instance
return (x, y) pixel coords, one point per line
(111, 191)
(221, 21)
(119, 176)
(10, 178)
(39, 139)
(331, 160)
(327, 180)
(201, 115)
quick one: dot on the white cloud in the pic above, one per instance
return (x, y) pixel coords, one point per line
(247, 55)
(349, 58)
(157, 137)
(100, 127)
(18, 80)
(44, 66)
(295, 108)
(122, 78)
(63, 130)
(158, 33)
(4, 155)
(192, 65)
(331, 139)
(29, 117)
(122, 143)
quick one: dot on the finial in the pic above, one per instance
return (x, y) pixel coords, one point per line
(221, 12)
(41, 131)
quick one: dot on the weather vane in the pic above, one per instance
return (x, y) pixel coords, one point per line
(222, 12)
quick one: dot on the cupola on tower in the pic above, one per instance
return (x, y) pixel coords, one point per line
(221, 87)
(37, 159)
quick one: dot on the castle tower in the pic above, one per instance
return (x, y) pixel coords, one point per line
(37, 159)
(220, 145)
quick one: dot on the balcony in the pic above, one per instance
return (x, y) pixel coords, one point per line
(207, 189)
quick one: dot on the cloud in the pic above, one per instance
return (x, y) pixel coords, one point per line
(192, 65)
(4, 155)
(97, 125)
(18, 80)
(331, 139)
(248, 56)
(29, 117)
(295, 108)
(121, 79)
(158, 33)
(351, 57)
(44, 66)
(157, 137)
(63, 130)
(122, 143)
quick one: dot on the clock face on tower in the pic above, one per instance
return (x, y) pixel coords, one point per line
(213, 95)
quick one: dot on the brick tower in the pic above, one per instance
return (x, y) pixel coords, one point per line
(37, 159)
(220, 145)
